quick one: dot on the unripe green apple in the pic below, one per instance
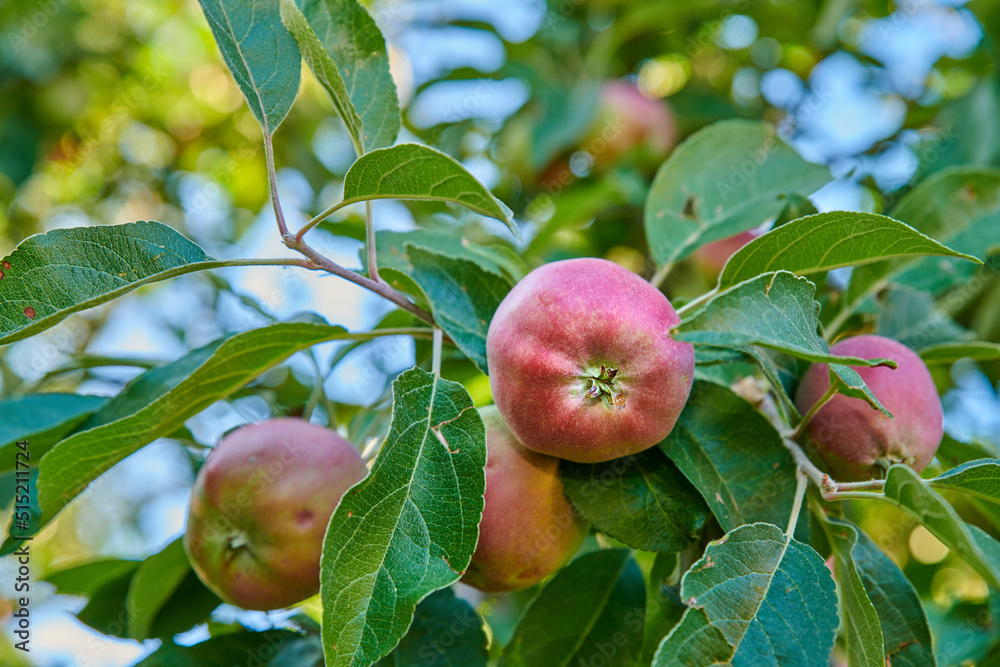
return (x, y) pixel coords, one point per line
(581, 362)
(260, 507)
(529, 529)
(857, 441)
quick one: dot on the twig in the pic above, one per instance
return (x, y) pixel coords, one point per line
(690, 305)
(273, 181)
(801, 482)
(661, 274)
(807, 417)
(436, 356)
(370, 243)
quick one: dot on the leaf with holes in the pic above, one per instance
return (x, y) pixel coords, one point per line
(410, 527)
(722, 180)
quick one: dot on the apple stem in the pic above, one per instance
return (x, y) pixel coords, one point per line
(370, 243)
(801, 483)
(807, 417)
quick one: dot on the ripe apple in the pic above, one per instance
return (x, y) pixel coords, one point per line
(626, 120)
(260, 507)
(529, 530)
(581, 362)
(712, 257)
(857, 441)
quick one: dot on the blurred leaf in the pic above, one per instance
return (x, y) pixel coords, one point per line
(80, 459)
(978, 478)
(410, 527)
(357, 47)
(463, 298)
(498, 258)
(155, 582)
(260, 53)
(912, 494)
(755, 598)
(50, 276)
(957, 206)
(951, 452)
(947, 353)
(733, 456)
(105, 608)
(722, 180)
(641, 500)
(412, 171)
(237, 648)
(446, 632)
(42, 420)
(914, 319)
(87, 578)
(863, 634)
(190, 604)
(593, 609)
(906, 636)
(777, 311)
(828, 241)
(325, 70)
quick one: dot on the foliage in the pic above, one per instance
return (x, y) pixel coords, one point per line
(725, 544)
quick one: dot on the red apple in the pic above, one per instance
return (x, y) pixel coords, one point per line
(857, 441)
(626, 120)
(712, 257)
(581, 362)
(260, 507)
(529, 529)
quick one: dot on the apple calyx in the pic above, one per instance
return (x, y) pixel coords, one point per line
(603, 386)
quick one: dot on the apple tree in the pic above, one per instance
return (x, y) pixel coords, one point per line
(718, 410)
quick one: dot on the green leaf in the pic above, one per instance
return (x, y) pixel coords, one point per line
(768, 598)
(906, 636)
(260, 53)
(777, 311)
(357, 47)
(591, 612)
(325, 71)
(906, 489)
(412, 171)
(237, 648)
(80, 459)
(948, 353)
(863, 633)
(915, 320)
(463, 297)
(956, 206)
(105, 608)
(722, 180)
(50, 276)
(497, 258)
(733, 456)
(828, 241)
(951, 452)
(155, 583)
(977, 478)
(42, 420)
(410, 527)
(642, 500)
(85, 579)
(446, 632)
(663, 604)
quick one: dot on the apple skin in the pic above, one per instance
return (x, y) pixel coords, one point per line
(712, 257)
(260, 507)
(529, 529)
(851, 436)
(579, 326)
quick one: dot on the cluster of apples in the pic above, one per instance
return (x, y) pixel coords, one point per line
(582, 367)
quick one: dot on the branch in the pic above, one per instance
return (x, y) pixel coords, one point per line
(272, 179)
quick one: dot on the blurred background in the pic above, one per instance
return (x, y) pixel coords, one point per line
(121, 110)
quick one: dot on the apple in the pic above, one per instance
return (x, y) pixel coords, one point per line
(529, 529)
(260, 507)
(626, 120)
(858, 442)
(581, 362)
(712, 257)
